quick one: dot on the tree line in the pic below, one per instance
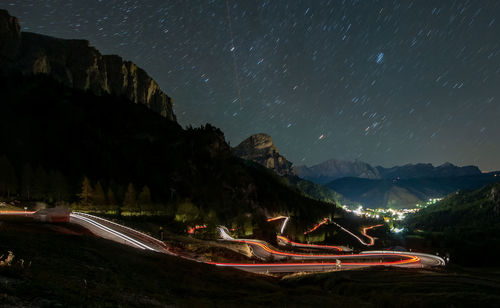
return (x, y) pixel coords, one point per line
(94, 198)
(36, 184)
(32, 184)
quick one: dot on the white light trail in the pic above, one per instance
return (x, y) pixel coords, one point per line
(122, 226)
(284, 225)
(111, 231)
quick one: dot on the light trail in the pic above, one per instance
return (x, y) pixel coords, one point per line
(114, 232)
(284, 225)
(276, 218)
(291, 254)
(193, 229)
(404, 259)
(124, 227)
(307, 245)
(408, 259)
(286, 218)
(438, 260)
(372, 240)
(266, 248)
(17, 212)
(325, 220)
(354, 235)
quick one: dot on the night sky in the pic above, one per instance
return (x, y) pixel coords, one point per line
(386, 82)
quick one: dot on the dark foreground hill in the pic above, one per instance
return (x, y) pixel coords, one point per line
(465, 224)
(64, 266)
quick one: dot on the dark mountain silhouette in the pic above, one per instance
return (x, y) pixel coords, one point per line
(398, 187)
(62, 121)
(411, 171)
(335, 169)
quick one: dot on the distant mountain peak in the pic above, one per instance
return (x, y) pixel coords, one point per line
(333, 169)
(447, 164)
(261, 149)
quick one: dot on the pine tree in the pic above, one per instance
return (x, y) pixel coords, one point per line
(58, 187)
(111, 203)
(130, 199)
(27, 181)
(99, 198)
(8, 179)
(40, 184)
(187, 211)
(86, 193)
(144, 199)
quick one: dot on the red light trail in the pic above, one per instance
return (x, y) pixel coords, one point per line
(372, 240)
(325, 220)
(407, 260)
(192, 230)
(276, 218)
(16, 212)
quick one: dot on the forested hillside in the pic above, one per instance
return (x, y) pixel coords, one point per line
(105, 153)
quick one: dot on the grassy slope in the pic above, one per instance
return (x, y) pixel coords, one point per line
(117, 275)
(466, 225)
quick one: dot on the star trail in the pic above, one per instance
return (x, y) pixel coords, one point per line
(386, 82)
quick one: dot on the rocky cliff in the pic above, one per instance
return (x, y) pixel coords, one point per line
(78, 65)
(260, 148)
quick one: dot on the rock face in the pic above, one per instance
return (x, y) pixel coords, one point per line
(10, 36)
(260, 148)
(78, 65)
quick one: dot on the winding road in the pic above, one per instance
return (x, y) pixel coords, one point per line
(262, 250)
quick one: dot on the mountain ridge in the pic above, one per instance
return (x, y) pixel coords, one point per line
(334, 169)
(77, 64)
(405, 193)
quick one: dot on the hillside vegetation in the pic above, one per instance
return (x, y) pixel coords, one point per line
(465, 224)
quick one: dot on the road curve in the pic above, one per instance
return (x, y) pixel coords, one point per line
(118, 233)
(372, 240)
(263, 251)
(426, 260)
(122, 234)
